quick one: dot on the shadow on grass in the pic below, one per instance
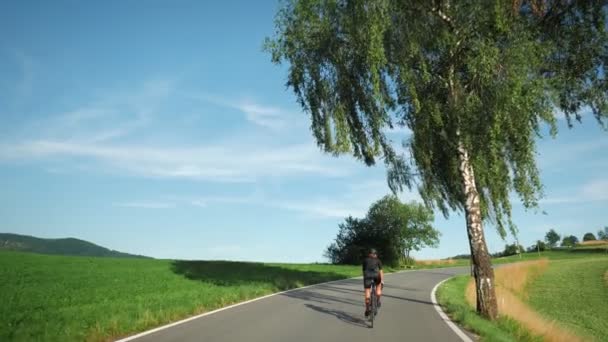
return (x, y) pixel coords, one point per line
(231, 273)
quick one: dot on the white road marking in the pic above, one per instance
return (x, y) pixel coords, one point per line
(445, 317)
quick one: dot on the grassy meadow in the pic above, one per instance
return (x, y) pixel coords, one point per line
(573, 293)
(59, 298)
(559, 296)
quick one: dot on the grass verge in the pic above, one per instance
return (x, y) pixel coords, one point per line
(451, 296)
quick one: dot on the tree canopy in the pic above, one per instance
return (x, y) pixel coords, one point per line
(589, 237)
(602, 234)
(569, 241)
(552, 238)
(484, 74)
(476, 82)
(393, 228)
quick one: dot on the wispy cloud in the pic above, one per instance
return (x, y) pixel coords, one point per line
(215, 163)
(554, 154)
(323, 208)
(105, 118)
(593, 191)
(146, 205)
(354, 202)
(270, 117)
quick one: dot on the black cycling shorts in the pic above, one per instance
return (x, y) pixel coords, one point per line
(367, 282)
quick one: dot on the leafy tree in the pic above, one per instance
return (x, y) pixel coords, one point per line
(353, 240)
(589, 237)
(539, 246)
(569, 241)
(474, 81)
(552, 238)
(392, 227)
(603, 234)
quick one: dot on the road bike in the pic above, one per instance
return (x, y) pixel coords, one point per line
(374, 303)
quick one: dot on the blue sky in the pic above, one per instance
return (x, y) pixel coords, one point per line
(164, 130)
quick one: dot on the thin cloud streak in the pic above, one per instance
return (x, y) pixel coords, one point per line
(214, 163)
(269, 117)
(146, 205)
(593, 191)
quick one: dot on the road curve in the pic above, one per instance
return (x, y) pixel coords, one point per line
(327, 312)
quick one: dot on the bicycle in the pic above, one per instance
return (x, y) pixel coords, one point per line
(374, 303)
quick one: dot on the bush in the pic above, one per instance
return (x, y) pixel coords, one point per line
(512, 250)
(539, 246)
(589, 237)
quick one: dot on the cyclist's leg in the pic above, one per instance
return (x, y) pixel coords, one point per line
(378, 290)
(367, 284)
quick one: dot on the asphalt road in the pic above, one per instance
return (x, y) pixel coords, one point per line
(328, 312)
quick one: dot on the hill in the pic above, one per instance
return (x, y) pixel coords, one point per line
(68, 246)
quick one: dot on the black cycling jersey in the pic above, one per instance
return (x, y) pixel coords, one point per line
(371, 267)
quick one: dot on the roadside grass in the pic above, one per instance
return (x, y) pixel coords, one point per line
(59, 298)
(573, 293)
(575, 276)
(511, 286)
(438, 263)
(451, 296)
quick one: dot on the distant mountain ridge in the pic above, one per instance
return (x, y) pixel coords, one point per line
(67, 246)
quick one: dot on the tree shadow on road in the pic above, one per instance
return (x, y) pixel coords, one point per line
(386, 286)
(384, 294)
(341, 315)
(230, 273)
(318, 297)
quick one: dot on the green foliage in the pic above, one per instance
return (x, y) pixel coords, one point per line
(512, 250)
(66, 298)
(572, 293)
(69, 246)
(552, 238)
(539, 246)
(602, 234)
(483, 74)
(569, 241)
(589, 237)
(393, 228)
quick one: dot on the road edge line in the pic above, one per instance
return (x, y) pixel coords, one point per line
(464, 337)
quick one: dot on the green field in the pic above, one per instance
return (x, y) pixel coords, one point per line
(59, 298)
(571, 292)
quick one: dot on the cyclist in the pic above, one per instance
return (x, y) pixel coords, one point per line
(372, 269)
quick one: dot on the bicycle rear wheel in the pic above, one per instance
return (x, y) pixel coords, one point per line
(374, 308)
